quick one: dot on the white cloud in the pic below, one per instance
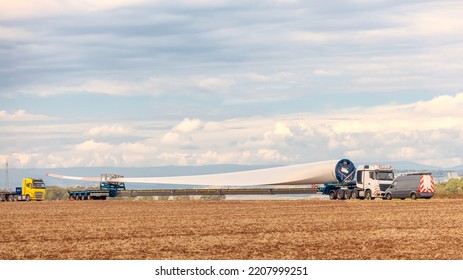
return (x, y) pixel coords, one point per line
(281, 129)
(91, 145)
(24, 8)
(22, 115)
(188, 125)
(325, 73)
(15, 34)
(216, 84)
(109, 130)
(310, 37)
(271, 156)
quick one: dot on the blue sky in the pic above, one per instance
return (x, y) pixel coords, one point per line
(150, 83)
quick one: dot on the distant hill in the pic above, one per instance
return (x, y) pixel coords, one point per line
(458, 167)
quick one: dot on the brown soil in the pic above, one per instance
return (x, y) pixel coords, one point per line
(304, 229)
(450, 196)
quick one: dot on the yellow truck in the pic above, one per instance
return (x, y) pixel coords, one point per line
(31, 189)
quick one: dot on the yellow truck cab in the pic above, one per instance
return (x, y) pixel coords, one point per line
(32, 189)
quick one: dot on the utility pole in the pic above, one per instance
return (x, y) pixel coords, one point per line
(7, 181)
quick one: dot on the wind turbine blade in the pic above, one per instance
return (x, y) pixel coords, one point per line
(93, 179)
(300, 174)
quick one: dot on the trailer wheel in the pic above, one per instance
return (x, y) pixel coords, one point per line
(340, 194)
(388, 196)
(368, 195)
(413, 196)
(332, 195)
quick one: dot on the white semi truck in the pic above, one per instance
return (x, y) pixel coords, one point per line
(371, 181)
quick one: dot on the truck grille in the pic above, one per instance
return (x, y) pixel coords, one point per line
(39, 195)
(384, 187)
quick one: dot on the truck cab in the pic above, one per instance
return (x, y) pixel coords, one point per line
(374, 180)
(31, 189)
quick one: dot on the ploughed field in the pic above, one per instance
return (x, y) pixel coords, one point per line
(302, 229)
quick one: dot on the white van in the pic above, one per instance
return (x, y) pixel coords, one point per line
(412, 185)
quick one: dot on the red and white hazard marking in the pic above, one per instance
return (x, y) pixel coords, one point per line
(426, 184)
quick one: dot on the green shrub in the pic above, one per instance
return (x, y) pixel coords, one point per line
(452, 186)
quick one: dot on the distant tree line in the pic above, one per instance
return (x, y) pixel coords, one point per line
(59, 193)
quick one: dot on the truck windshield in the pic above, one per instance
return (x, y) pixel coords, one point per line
(388, 176)
(39, 185)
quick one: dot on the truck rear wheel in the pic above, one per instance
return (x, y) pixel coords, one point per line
(332, 195)
(354, 194)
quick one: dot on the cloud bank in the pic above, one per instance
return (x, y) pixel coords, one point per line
(421, 131)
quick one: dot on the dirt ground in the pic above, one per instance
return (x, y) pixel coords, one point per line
(302, 229)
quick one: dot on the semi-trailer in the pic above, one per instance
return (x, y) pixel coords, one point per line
(31, 189)
(109, 188)
(338, 179)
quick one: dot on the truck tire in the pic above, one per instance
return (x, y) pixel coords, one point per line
(354, 194)
(347, 194)
(413, 196)
(388, 196)
(332, 195)
(28, 198)
(368, 195)
(9, 198)
(340, 194)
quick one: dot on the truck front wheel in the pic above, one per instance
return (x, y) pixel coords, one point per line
(388, 196)
(368, 194)
(28, 198)
(413, 196)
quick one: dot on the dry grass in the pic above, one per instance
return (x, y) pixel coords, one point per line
(429, 229)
